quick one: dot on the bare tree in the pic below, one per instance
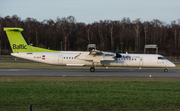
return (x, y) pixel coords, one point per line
(175, 29)
(16, 21)
(105, 34)
(137, 29)
(88, 31)
(146, 31)
(179, 34)
(111, 27)
(67, 25)
(156, 29)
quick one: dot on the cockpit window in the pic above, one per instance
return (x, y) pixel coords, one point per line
(163, 58)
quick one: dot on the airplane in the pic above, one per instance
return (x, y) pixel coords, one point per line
(92, 58)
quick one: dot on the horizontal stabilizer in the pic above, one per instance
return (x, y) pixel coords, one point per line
(13, 29)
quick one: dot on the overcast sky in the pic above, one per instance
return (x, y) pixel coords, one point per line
(89, 11)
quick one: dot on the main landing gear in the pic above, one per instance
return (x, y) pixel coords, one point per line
(92, 69)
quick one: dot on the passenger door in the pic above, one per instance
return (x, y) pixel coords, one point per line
(60, 59)
(140, 61)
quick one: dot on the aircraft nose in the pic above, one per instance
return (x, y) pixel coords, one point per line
(169, 64)
(172, 64)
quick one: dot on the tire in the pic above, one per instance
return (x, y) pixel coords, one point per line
(92, 69)
(165, 70)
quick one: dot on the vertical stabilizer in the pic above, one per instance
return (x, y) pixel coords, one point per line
(16, 40)
(18, 43)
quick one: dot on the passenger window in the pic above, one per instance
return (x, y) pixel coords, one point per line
(72, 57)
(69, 57)
(66, 57)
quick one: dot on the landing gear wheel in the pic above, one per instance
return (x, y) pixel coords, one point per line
(165, 70)
(92, 69)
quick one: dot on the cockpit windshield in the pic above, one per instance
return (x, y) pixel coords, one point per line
(161, 58)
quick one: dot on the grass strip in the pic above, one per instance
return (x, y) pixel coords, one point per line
(89, 94)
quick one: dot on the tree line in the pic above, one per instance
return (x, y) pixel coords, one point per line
(107, 34)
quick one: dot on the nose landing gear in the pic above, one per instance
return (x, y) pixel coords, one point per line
(166, 70)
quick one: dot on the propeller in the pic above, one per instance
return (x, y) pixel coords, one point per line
(117, 54)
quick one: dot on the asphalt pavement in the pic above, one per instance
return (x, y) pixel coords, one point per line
(86, 73)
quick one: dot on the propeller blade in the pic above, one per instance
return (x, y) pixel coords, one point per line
(117, 54)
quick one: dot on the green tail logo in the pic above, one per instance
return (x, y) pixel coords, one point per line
(18, 44)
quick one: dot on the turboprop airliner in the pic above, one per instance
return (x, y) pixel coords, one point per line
(92, 58)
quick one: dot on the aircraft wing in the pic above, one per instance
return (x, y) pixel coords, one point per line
(95, 52)
(95, 56)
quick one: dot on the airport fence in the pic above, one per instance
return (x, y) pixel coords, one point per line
(12, 58)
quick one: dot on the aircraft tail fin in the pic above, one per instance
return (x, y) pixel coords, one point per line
(18, 43)
(16, 40)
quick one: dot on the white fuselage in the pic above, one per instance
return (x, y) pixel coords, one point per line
(68, 58)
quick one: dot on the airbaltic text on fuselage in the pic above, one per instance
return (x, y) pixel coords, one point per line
(20, 46)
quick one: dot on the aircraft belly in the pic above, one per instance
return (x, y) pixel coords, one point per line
(113, 63)
(77, 62)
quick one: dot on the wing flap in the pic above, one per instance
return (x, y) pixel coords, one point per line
(95, 58)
